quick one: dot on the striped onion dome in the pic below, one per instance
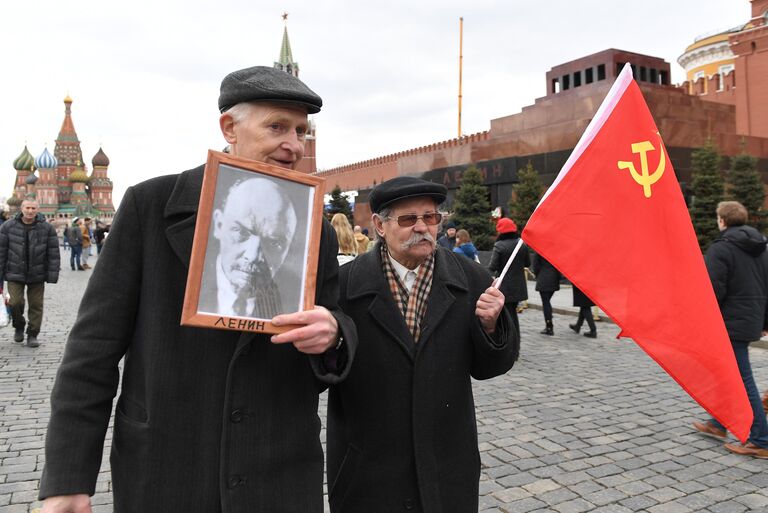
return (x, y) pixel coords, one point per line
(13, 201)
(31, 179)
(79, 175)
(100, 159)
(46, 161)
(24, 161)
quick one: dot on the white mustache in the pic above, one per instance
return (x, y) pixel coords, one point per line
(418, 237)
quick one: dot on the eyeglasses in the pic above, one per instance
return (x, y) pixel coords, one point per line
(407, 220)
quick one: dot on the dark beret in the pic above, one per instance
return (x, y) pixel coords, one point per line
(265, 84)
(449, 224)
(403, 187)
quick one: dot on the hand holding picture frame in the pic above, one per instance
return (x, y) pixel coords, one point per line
(256, 245)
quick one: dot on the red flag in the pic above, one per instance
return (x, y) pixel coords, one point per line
(615, 223)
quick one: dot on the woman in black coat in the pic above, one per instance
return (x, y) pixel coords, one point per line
(513, 287)
(547, 283)
(585, 313)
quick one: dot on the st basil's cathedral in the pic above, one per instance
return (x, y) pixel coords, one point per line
(60, 181)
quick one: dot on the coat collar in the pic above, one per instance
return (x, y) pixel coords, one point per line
(181, 211)
(185, 195)
(367, 278)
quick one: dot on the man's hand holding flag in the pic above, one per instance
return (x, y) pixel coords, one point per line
(615, 223)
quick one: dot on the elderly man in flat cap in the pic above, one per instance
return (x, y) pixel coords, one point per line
(401, 428)
(206, 420)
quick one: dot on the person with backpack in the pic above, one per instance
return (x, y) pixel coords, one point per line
(75, 237)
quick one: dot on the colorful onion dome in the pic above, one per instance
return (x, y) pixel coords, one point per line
(68, 99)
(25, 161)
(13, 201)
(46, 161)
(79, 175)
(31, 179)
(100, 159)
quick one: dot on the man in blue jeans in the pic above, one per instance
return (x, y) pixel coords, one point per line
(737, 262)
(75, 236)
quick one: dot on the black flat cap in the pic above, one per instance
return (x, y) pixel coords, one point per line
(265, 84)
(403, 187)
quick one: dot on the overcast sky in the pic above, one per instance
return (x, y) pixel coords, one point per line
(145, 75)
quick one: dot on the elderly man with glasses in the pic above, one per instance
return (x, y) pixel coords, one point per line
(401, 428)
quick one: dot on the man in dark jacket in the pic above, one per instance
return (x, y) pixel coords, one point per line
(29, 257)
(75, 237)
(207, 420)
(448, 239)
(737, 262)
(401, 429)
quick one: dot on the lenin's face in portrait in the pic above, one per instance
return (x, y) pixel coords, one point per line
(254, 228)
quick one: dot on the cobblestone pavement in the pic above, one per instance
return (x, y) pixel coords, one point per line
(578, 425)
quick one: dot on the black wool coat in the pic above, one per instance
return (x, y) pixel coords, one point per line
(207, 420)
(737, 262)
(547, 276)
(514, 286)
(43, 252)
(401, 428)
(580, 299)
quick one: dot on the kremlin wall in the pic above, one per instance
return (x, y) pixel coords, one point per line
(723, 99)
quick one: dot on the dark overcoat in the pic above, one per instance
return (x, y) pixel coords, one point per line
(580, 299)
(401, 428)
(514, 286)
(547, 275)
(207, 420)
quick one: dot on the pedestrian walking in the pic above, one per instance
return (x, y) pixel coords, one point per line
(100, 235)
(85, 228)
(75, 237)
(585, 313)
(547, 283)
(514, 286)
(29, 258)
(737, 262)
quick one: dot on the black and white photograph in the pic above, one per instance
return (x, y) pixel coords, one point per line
(257, 232)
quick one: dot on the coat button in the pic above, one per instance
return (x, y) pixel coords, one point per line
(408, 503)
(236, 416)
(235, 481)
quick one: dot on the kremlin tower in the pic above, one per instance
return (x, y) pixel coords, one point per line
(62, 185)
(286, 63)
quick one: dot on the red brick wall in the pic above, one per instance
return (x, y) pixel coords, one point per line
(751, 50)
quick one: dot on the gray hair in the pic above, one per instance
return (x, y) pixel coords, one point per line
(383, 215)
(240, 111)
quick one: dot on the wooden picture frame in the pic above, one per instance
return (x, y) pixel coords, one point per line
(256, 245)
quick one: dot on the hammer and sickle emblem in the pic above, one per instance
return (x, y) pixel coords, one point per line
(643, 178)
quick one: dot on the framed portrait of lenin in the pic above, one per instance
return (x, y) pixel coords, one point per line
(256, 245)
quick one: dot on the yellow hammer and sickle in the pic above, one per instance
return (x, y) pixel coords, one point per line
(643, 178)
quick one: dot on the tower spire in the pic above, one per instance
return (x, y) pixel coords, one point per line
(285, 61)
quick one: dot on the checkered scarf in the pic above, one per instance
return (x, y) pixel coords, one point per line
(412, 306)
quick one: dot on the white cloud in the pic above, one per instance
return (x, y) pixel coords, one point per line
(144, 75)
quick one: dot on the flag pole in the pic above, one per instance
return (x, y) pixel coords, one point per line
(461, 58)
